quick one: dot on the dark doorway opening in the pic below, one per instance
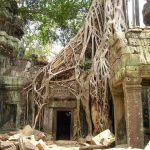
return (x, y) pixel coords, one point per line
(146, 109)
(8, 113)
(63, 125)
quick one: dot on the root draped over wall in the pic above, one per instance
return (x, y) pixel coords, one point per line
(83, 67)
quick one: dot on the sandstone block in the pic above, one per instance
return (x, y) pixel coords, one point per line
(7, 145)
(105, 138)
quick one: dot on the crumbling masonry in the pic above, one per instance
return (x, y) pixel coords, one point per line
(104, 55)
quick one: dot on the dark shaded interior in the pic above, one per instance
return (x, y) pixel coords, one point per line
(8, 116)
(63, 125)
(111, 109)
(84, 125)
(146, 109)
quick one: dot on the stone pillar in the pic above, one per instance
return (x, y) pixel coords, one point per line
(51, 120)
(18, 115)
(119, 116)
(48, 121)
(134, 118)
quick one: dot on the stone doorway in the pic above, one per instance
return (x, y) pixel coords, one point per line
(146, 109)
(59, 117)
(8, 113)
(63, 130)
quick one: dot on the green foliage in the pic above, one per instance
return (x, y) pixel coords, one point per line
(39, 51)
(54, 19)
(86, 65)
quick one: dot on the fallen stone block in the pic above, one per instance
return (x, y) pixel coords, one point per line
(4, 137)
(147, 146)
(12, 148)
(12, 133)
(89, 140)
(38, 135)
(14, 137)
(105, 138)
(17, 145)
(41, 145)
(26, 144)
(7, 144)
(26, 131)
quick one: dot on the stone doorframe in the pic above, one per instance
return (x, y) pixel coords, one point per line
(50, 116)
(128, 112)
(54, 129)
(129, 59)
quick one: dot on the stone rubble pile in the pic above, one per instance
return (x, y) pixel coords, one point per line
(31, 139)
(25, 139)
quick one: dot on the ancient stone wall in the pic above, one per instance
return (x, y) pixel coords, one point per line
(11, 69)
(130, 65)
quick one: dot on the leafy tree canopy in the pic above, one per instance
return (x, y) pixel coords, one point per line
(52, 20)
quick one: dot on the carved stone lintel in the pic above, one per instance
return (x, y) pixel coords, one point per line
(132, 81)
(62, 104)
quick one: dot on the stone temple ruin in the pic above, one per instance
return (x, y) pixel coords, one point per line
(100, 80)
(130, 86)
(12, 67)
(11, 78)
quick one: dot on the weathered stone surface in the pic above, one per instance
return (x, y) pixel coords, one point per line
(9, 42)
(104, 138)
(138, 42)
(14, 137)
(62, 104)
(41, 145)
(12, 148)
(26, 131)
(60, 92)
(26, 144)
(134, 125)
(139, 34)
(129, 56)
(129, 65)
(11, 31)
(4, 137)
(147, 146)
(7, 145)
(38, 135)
(89, 139)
